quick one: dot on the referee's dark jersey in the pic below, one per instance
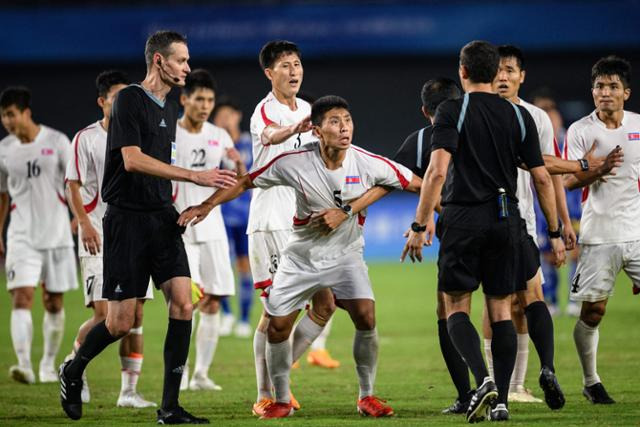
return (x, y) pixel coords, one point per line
(138, 119)
(415, 151)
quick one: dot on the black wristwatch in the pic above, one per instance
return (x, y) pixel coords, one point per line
(555, 234)
(584, 164)
(417, 228)
(347, 209)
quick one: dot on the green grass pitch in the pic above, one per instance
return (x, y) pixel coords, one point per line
(411, 373)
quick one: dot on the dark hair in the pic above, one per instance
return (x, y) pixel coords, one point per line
(198, 79)
(438, 90)
(160, 42)
(511, 51)
(612, 66)
(271, 51)
(324, 104)
(481, 60)
(107, 79)
(225, 101)
(19, 96)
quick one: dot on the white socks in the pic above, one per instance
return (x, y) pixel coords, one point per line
(520, 368)
(22, 335)
(260, 361)
(279, 365)
(52, 331)
(306, 332)
(488, 355)
(206, 342)
(586, 339)
(320, 343)
(365, 354)
(131, 367)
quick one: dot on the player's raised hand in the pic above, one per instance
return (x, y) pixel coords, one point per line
(220, 178)
(327, 220)
(90, 238)
(303, 125)
(558, 250)
(194, 214)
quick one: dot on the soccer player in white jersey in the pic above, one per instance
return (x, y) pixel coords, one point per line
(84, 180)
(609, 228)
(281, 122)
(200, 146)
(323, 175)
(33, 158)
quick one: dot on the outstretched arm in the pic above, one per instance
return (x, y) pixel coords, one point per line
(583, 179)
(275, 134)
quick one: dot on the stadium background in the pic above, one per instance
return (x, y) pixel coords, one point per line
(376, 54)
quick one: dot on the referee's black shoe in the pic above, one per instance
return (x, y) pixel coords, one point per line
(70, 393)
(597, 394)
(486, 396)
(552, 392)
(179, 416)
(459, 406)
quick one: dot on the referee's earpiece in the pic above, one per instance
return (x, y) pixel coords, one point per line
(159, 62)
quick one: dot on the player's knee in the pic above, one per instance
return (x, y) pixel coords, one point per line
(322, 313)
(364, 319)
(278, 331)
(592, 313)
(120, 326)
(52, 302)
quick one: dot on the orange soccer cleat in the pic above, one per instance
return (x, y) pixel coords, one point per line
(259, 407)
(322, 358)
(294, 402)
(277, 410)
(372, 406)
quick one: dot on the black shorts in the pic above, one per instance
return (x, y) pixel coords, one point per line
(139, 245)
(476, 247)
(530, 258)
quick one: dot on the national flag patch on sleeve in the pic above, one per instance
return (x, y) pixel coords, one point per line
(47, 151)
(352, 179)
(634, 136)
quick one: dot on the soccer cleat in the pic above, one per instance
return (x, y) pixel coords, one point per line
(70, 394)
(372, 406)
(85, 394)
(259, 407)
(522, 395)
(457, 407)
(184, 381)
(179, 416)
(22, 375)
(552, 392)
(597, 394)
(499, 413)
(294, 402)
(133, 399)
(47, 373)
(226, 325)
(277, 410)
(322, 358)
(295, 365)
(485, 397)
(199, 382)
(242, 330)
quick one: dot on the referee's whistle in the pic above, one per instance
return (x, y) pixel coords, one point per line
(502, 204)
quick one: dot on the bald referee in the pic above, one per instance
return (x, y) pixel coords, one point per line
(141, 237)
(477, 144)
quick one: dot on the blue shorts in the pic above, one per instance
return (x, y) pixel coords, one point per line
(238, 240)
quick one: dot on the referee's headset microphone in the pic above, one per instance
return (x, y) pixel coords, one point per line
(161, 65)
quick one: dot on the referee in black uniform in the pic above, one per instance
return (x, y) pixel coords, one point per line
(141, 237)
(485, 138)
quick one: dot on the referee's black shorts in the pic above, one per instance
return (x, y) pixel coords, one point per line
(139, 245)
(477, 247)
(530, 258)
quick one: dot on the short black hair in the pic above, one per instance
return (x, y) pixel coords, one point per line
(160, 42)
(271, 51)
(511, 51)
(198, 79)
(107, 79)
(225, 101)
(481, 60)
(436, 91)
(324, 104)
(19, 96)
(612, 66)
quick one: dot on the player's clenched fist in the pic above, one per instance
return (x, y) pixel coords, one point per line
(220, 178)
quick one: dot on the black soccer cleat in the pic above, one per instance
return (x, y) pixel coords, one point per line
(499, 413)
(70, 394)
(597, 394)
(552, 392)
(179, 416)
(484, 398)
(459, 406)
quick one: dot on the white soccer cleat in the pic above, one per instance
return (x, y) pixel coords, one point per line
(522, 395)
(85, 395)
(226, 325)
(22, 375)
(47, 374)
(242, 330)
(199, 382)
(133, 399)
(184, 382)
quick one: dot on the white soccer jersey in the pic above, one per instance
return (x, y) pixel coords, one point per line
(87, 166)
(317, 188)
(271, 209)
(201, 151)
(610, 210)
(524, 192)
(33, 174)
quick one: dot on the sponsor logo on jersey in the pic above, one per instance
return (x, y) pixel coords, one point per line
(213, 142)
(352, 179)
(633, 136)
(47, 151)
(163, 124)
(118, 289)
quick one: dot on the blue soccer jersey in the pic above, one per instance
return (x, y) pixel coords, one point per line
(236, 212)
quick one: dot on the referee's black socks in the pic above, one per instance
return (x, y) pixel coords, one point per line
(466, 340)
(504, 346)
(455, 364)
(541, 331)
(96, 340)
(176, 350)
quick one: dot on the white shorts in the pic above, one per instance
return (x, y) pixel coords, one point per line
(210, 266)
(296, 281)
(26, 266)
(598, 266)
(91, 270)
(265, 248)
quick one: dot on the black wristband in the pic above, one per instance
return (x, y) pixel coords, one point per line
(584, 164)
(418, 228)
(555, 234)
